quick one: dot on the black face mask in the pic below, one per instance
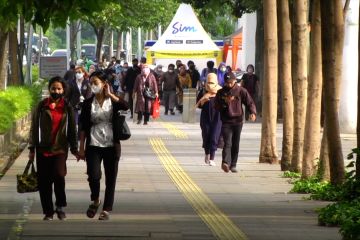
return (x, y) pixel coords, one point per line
(56, 96)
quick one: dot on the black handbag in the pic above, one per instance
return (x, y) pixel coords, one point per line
(27, 181)
(148, 93)
(121, 129)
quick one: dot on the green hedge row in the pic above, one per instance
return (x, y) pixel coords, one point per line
(16, 102)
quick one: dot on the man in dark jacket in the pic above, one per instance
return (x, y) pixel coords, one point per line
(129, 81)
(170, 81)
(229, 101)
(194, 74)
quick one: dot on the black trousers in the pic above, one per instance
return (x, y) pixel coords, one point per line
(94, 157)
(146, 114)
(51, 170)
(231, 135)
(131, 103)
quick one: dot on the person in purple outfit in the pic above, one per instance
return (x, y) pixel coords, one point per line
(210, 122)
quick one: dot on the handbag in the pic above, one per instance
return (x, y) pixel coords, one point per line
(156, 109)
(120, 127)
(148, 93)
(27, 181)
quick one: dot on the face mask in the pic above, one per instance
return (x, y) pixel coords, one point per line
(223, 69)
(146, 71)
(96, 89)
(55, 95)
(170, 71)
(79, 75)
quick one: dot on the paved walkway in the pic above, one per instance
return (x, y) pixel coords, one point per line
(165, 191)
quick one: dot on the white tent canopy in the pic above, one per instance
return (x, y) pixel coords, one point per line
(184, 38)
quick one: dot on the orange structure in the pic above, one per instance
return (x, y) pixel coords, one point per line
(233, 42)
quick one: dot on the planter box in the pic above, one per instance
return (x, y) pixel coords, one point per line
(15, 134)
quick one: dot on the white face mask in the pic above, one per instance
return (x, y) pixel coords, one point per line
(96, 89)
(79, 76)
(223, 69)
(146, 71)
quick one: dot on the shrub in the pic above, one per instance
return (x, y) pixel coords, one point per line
(16, 102)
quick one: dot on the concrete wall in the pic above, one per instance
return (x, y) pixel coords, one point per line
(247, 56)
(348, 99)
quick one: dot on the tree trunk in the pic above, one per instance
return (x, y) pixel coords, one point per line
(100, 37)
(332, 42)
(324, 164)
(286, 82)
(13, 48)
(313, 109)
(268, 152)
(299, 80)
(74, 29)
(358, 112)
(118, 46)
(3, 58)
(259, 54)
(21, 49)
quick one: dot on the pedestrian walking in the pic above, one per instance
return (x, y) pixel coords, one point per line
(221, 73)
(251, 83)
(99, 143)
(210, 121)
(52, 131)
(185, 83)
(194, 74)
(128, 83)
(170, 82)
(145, 82)
(229, 101)
(79, 90)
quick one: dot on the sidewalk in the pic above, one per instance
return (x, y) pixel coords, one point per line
(165, 191)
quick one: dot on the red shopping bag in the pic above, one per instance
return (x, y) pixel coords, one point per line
(156, 108)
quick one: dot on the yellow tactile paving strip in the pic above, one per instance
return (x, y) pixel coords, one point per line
(175, 131)
(219, 224)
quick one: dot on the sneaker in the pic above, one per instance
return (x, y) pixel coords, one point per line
(172, 113)
(225, 167)
(212, 163)
(138, 122)
(48, 218)
(60, 214)
(166, 113)
(145, 123)
(233, 169)
(104, 215)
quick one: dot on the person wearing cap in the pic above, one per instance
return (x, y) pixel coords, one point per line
(210, 121)
(229, 101)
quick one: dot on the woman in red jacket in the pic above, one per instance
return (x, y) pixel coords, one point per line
(52, 131)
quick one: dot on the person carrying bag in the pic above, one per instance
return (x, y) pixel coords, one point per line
(27, 181)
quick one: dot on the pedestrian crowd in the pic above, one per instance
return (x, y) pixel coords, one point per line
(84, 105)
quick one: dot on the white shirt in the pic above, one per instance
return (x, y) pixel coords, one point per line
(101, 133)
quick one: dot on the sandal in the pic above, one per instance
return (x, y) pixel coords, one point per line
(104, 215)
(91, 211)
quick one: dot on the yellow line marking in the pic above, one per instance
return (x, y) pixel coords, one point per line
(175, 131)
(219, 224)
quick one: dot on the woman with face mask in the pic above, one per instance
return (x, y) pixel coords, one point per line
(52, 132)
(100, 143)
(79, 90)
(143, 103)
(221, 72)
(210, 122)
